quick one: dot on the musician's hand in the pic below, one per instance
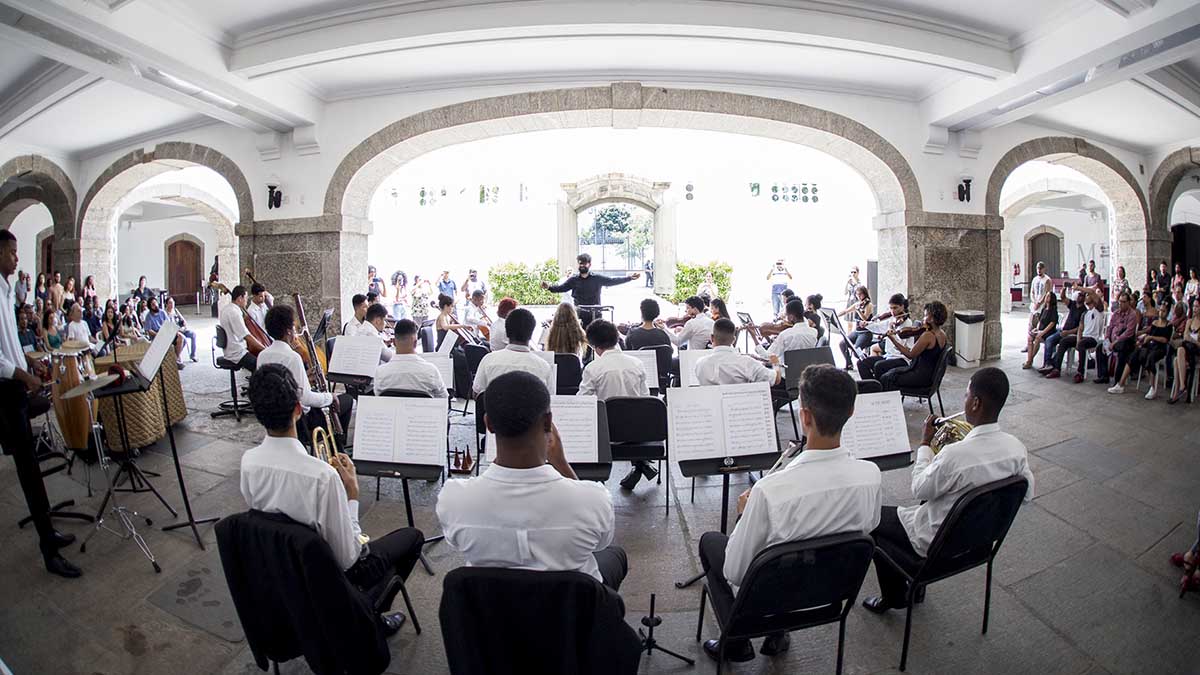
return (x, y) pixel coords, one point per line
(545, 285)
(774, 359)
(635, 275)
(334, 406)
(928, 430)
(742, 499)
(346, 472)
(31, 383)
(659, 323)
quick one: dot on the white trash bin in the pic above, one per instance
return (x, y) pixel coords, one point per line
(968, 337)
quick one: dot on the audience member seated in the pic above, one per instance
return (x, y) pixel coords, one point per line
(1120, 339)
(26, 333)
(186, 333)
(239, 341)
(92, 315)
(278, 476)
(649, 333)
(695, 333)
(1045, 327)
(885, 356)
(822, 491)
(1189, 561)
(1085, 334)
(528, 510)
(1075, 299)
(77, 330)
(1154, 344)
(984, 456)
(613, 374)
(281, 326)
(499, 338)
(408, 370)
(156, 317)
(1185, 356)
(925, 354)
(51, 340)
(516, 356)
(566, 332)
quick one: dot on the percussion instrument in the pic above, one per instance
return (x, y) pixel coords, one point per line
(88, 386)
(75, 416)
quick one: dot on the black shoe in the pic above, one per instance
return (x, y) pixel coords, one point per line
(876, 605)
(738, 651)
(180, 364)
(59, 540)
(195, 360)
(392, 622)
(1100, 380)
(56, 564)
(775, 644)
(631, 479)
(647, 470)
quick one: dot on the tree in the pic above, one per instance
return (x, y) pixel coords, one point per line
(610, 224)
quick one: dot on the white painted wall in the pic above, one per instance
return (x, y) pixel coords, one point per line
(1083, 237)
(26, 227)
(140, 249)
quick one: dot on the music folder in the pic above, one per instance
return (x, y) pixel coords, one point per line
(356, 355)
(877, 427)
(722, 421)
(400, 430)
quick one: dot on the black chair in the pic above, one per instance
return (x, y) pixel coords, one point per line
(480, 432)
(970, 536)
(662, 355)
(514, 622)
(795, 361)
(293, 599)
(570, 374)
(233, 406)
(795, 585)
(637, 430)
(935, 386)
(869, 386)
(428, 339)
(473, 355)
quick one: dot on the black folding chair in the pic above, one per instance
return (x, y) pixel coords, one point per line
(935, 385)
(795, 361)
(637, 430)
(428, 339)
(570, 374)
(794, 585)
(662, 356)
(473, 355)
(480, 431)
(970, 536)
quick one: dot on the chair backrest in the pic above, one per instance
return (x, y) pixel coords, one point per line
(800, 583)
(480, 411)
(570, 374)
(474, 354)
(942, 364)
(662, 356)
(796, 360)
(428, 338)
(509, 622)
(869, 386)
(636, 419)
(329, 344)
(974, 529)
(222, 337)
(292, 597)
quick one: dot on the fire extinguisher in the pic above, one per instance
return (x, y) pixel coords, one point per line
(1016, 269)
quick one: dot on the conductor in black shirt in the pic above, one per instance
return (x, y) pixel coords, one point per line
(585, 287)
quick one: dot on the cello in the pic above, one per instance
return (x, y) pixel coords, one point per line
(297, 344)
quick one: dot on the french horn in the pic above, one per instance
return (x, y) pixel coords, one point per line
(950, 430)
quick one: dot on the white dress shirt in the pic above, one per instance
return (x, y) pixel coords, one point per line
(512, 357)
(530, 519)
(695, 333)
(234, 323)
(78, 330)
(729, 366)
(473, 316)
(368, 328)
(258, 313)
(356, 327)
(412, 372)
(821, 492)
(799, 336)
(985, 455)
(278, 476)
(12, 357)
(614, 374)
(281, 353)
(499, 336)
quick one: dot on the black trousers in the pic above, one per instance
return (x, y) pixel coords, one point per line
(16, 435)
(1067, 342)
(315, 417)
(396, 552)
(891, 538)
(614, 566)
(248, 362)
(873, 367)
(712, 561)
(1123, 349)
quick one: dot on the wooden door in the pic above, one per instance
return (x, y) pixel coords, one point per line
(46, 256)
(183, 271)
(1045, 248)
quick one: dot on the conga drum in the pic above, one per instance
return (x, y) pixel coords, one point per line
(74, 415)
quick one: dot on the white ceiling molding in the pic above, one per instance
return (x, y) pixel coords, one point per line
(937, 140)
(40, 93)
(146, 140)
(269, 145)
(304, 140)
(111, 5)
(395, 26)
(970, 143)
(1175, 85)
(1127, 8)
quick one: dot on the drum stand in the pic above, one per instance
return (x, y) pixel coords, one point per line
(50, 439)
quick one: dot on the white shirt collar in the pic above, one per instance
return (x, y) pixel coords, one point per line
(504, 474)
(282, 444)
(724, 348)
(982, 430)
(518, 348)
(809, 456)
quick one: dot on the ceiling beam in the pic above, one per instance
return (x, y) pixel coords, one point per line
(1127, 8)
(404, 25)
(40, 93)
(1175, 85)
(1067, 63)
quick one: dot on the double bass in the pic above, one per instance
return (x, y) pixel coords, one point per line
(260, 333)
(316, 370)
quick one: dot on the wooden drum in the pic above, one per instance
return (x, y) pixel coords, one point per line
(74, 415)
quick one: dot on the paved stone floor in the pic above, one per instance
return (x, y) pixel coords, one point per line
(1082, 584)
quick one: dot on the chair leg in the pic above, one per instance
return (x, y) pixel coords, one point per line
(721, 655)
(841, 644)
(987, 597)
(700, 617)
(408, 605)
(930, 402)
(660, 472)
(942, 407)
(792, 414)
(276, 665)
(694, 487)
(907, 626)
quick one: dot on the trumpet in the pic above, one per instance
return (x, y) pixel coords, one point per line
(950, 430)
(323, 444)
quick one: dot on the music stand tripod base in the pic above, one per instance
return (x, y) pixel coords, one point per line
(649, 643)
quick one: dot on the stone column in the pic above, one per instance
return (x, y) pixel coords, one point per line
(567, 237)
(664, 249)
(1005, 273)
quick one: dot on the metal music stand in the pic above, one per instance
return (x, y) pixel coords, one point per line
(427, 472)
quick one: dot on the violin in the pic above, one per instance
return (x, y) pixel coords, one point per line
(677, 321)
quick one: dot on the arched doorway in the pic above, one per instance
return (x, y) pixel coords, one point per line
(31, 179)
(1046, 247)
(1185, 245)
(184, 257)
(45, 263)
(634, 195)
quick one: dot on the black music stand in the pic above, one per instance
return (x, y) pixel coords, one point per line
(427, 472)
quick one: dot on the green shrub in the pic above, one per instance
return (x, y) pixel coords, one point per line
(524, 283)
(688, 278)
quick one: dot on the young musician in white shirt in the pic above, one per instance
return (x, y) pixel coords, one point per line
(281, 326)
(375, 324)
(799, 336)
(259, 304)
(695, 333)
(516, 356)
(408, 370)
(475, 314)
(240, 343)
(528, 510)
(499, 336)
(356, 323)
(279, 476)
(727, 365)
(882, 360)
(822, 491)
(986, 455)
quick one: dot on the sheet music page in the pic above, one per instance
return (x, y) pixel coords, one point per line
(445, 366)
(375, 426)
(877, 427)
(548, 357)
(687, 365)
(356, 355)
(748, 420)
(694, 423)
(649, 359)
(444, 349)
(420, 431)
(552, 383)
(576, 419)
(153, 358)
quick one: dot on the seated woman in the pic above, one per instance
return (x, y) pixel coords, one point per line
(566, 333)
(446, 321)
(1189, 561)
(1185, 356)
(857, 315)
(885, 356)
(718, 309)
(925, 354)
(1046, 327)
(51, 339)
(1154, 344)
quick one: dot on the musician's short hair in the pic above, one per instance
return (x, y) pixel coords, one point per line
(357, 300)
(937, 311)
(787, 293)
(256, 288)
(237, 292)
(6, 235)
(405, 329)
(477, 294)
(795, 309)
(279, 320)
(602, 334)
(584, 258)
(506, 305)
(515, 402)
(650, 309)
(990, 385)
(695, 303)
(898, 299)
(274, 395)
(519, 325)
(445, 301)
(376, 311)
(828, 393)
(725, 330)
